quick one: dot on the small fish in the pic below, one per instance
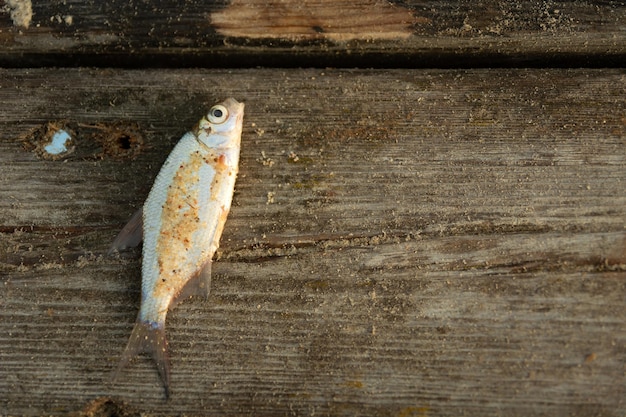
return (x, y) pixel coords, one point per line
(183, 218)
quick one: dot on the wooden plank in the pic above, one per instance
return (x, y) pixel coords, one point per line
(401, 243)
(317, 33)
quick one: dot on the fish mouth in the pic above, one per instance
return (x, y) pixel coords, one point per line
(236, 106)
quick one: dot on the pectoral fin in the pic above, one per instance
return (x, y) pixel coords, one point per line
(130, 235)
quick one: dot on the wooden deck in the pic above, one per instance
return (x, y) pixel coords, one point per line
(403, 241)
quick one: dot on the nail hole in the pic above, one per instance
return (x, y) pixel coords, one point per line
(124, 141)
(52, 140)
(121, 140)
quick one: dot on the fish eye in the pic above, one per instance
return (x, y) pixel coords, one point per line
(218, 114)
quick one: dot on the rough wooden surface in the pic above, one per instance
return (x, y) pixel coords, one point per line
(317, 33)
(402, 243)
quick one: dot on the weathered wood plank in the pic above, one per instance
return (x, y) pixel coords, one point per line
(401, 243)
(314, 33)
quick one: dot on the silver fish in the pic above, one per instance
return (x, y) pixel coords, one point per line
(183, 218)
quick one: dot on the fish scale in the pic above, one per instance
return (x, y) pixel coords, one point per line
(182, 222)
(176, 222)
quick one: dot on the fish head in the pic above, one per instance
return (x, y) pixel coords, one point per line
(221, 126)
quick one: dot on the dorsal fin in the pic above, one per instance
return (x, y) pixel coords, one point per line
(131, 234)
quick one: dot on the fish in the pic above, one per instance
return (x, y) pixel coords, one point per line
(181, 223)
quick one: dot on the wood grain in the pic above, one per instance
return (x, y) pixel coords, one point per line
(314, 20)
(320, 33)
(401, 243)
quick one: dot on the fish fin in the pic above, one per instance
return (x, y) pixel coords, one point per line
(204, 280)
(199, 285)
(131, 234)
(148, 338)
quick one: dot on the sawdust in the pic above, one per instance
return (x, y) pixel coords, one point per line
(21, 12)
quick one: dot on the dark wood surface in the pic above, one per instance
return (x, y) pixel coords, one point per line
(349, 33)
(402, 243)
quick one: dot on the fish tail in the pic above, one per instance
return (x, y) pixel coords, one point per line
(148, 338)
